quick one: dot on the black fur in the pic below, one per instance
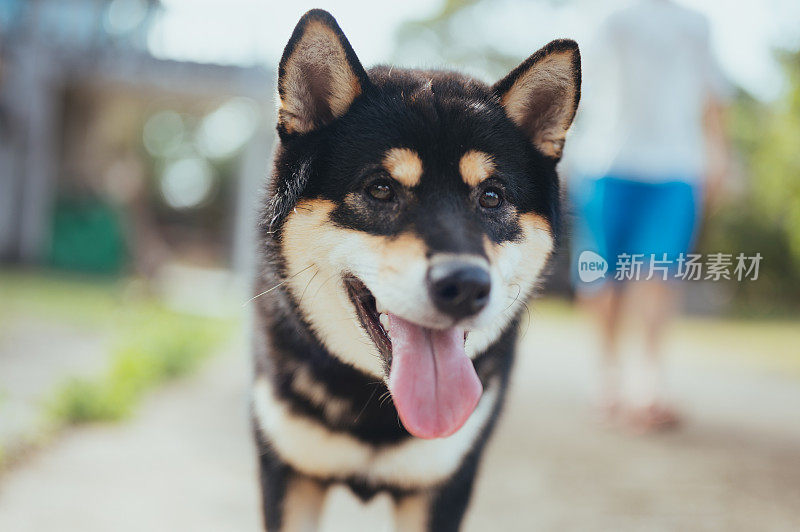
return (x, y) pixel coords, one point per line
(440, 115)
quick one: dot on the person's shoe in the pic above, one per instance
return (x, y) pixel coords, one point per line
(652, 418)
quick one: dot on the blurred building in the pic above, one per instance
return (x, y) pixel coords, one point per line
(77, 89)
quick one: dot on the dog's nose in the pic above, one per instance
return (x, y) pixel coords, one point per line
(458, 288)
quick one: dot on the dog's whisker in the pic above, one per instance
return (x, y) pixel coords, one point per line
(323, 284)
(364, 408)
(267, 291)
(383, 398)
(516, 297)
(307, 285)
(528, 316)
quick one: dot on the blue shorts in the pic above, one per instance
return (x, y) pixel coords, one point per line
(617, 218)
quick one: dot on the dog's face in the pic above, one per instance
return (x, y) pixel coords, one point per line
(415, 210)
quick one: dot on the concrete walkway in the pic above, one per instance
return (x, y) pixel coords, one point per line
(37, 355)
(186, 461)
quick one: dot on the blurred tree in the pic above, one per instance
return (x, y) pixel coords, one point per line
(451, 33)
(766, 218)
(444, 32)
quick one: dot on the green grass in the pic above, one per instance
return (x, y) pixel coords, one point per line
(75, 299)
(150, 343)
(153, 349)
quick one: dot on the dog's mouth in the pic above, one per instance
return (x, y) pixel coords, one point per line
(374, 322)
(432, 381)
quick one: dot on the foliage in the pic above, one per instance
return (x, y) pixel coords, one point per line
(766, 217)
(150, 344)
(444, 32)
(449, 38)
(54, 296)
(154, 347)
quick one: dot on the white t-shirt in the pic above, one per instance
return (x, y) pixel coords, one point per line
(646, 83)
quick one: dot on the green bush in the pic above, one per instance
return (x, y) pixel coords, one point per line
(766, 218)
(155, 346)
(82, 400)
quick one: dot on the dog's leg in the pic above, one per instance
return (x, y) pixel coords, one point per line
(302, 505)
(450, 502)
(291, 502)
(412, 513)
(274, 476)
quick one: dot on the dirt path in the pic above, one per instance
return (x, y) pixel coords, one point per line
(186, 462)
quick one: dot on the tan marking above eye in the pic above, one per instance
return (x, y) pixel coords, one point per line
(475, 166)
(404, 165)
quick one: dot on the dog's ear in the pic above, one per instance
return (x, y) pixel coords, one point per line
(541, 95)
(319, 75)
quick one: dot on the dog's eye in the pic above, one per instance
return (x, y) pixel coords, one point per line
(491, 198)
(381, 190)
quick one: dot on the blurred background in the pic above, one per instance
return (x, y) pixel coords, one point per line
(135, 138)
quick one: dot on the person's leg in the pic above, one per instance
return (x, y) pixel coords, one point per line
(604, 307)
(601, 224)
(669, 230)
(620, 212)
(650, 409)
(653, 302)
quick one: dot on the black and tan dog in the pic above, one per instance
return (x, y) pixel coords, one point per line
(409, 216)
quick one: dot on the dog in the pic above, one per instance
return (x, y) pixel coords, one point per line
(408, 218)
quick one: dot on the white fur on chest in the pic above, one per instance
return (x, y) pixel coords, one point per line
(315, 450)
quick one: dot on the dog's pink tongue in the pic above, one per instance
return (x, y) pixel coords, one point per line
(433, 383)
